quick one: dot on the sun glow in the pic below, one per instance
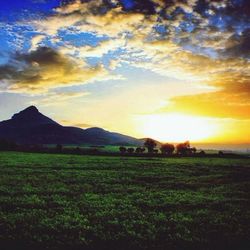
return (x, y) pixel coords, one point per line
(178, 127)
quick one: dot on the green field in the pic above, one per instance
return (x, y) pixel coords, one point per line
(96, 202)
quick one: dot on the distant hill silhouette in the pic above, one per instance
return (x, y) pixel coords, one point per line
(31, 127)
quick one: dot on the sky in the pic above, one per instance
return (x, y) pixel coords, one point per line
(173, 70)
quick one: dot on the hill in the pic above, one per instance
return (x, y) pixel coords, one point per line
(32, 127)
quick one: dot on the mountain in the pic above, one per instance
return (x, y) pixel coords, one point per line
(32, 127)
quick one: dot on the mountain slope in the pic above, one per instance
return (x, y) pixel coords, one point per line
(31, 127)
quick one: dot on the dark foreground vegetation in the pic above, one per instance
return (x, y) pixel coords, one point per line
(86, 202)
(149, 149)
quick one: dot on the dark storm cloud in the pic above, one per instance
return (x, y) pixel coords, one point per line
(7, 72)
(42, 56)
(45, 68)
(27, 66)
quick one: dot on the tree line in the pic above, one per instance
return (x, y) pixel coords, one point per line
(150, 147)
(165, 148)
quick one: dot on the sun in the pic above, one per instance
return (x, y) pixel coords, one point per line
(177, 127)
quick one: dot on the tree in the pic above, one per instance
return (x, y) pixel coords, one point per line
(150, 144)
(193, 150)
(183, 148)
(167, 148)
(130, 150)
(77, 150)
(202, 153)
(138, 150)
(123, 150)
(220, 153)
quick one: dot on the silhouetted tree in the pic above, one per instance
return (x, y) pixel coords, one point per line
(122, 150)
(220, 153)
(130, 150)
(77, 150)
(202, 153)
(138, 150)
(183, 148)
(150, 144)
(193, 150)
(167, 148)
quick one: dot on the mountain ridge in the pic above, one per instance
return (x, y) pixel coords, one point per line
(29, 126)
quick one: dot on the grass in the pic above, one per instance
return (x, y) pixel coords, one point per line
(90, 202)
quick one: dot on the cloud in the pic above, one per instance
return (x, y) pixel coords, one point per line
(230, 100)
(228, 77)
(199, 23)
(79, 125)
(51, 25)
(46, 68)
(220, 104)
(36, 40)
(239, 45)
(56, 98)
(199, 44)
(205, 25)
(89, 17)
(100, 50)
(196, 41)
